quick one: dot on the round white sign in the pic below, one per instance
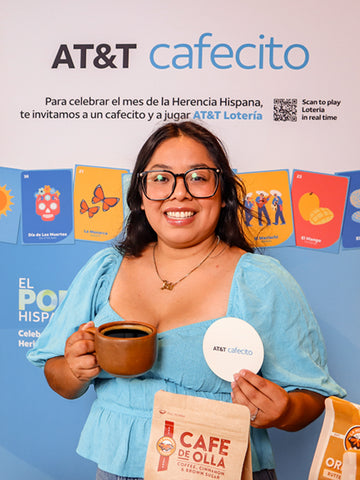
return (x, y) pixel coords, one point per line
(231, 344)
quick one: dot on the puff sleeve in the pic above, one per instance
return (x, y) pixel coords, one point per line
(85, 296)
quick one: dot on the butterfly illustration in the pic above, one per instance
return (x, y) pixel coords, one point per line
(85, 208)
(107, 202)
(354, 441)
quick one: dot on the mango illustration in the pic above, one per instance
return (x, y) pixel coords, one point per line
(307, 203)
(321, 215)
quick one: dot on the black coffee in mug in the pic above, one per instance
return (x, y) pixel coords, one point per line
(125, 332)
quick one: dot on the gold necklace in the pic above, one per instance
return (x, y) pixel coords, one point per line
(170, 285)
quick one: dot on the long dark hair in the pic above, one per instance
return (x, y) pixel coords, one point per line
(139, 233)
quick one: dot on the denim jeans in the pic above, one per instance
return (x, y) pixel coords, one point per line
(263, 475)
(101, 475)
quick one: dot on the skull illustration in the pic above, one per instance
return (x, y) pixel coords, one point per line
(47, 206)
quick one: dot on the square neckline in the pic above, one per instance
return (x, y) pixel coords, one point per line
(202, 322)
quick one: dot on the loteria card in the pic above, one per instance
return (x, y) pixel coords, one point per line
(10, 204)
(98, 203)
(318, 205)
(47, 215)
(351, 227)
(268, 217)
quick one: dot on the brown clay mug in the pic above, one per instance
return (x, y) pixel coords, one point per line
(125, 349)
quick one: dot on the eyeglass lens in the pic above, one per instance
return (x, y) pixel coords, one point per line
(200, 183)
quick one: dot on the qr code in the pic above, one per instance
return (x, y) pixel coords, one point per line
(285, 109)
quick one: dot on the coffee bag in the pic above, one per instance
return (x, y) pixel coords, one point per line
(192, 437)
(340, 433)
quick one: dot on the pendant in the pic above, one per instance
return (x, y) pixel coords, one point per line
(167, 285)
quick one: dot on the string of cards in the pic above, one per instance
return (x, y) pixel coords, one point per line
(313, 210)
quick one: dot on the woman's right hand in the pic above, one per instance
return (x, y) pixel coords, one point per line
(80, 354)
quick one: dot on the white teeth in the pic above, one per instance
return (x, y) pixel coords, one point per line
(179, 214)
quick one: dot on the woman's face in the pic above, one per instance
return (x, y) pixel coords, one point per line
(182, 220)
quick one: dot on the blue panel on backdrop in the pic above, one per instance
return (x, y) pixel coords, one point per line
(39, 429)
(327, 281)
(37, 279)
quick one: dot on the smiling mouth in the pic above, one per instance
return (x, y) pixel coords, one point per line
(180, 214)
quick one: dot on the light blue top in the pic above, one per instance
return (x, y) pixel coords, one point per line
(263, 293)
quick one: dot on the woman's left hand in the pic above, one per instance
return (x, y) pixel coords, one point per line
(268, 403)
(272, 406)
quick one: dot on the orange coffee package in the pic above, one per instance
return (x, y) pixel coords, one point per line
(340, 433)
(192, 437)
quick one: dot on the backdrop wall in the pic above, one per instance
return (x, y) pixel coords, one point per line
(85, 83)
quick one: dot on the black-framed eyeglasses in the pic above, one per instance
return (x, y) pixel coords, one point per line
(199, 182)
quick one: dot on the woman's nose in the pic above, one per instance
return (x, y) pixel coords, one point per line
(180, 191)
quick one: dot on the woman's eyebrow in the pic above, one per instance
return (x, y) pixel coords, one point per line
(163, 166)
(160, 166)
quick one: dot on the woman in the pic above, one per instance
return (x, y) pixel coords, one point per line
(185, 262)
